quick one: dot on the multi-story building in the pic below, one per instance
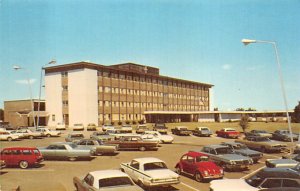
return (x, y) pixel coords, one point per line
(85, 93)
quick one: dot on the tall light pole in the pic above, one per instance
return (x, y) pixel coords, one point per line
(40, 89)
(248, 41)
(30, 92)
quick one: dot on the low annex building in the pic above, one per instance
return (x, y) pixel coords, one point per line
(85, 93)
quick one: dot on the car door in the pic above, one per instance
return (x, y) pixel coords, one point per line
(7, 156)
(190, 164)
(62, 152)
(49, 152)
(132, 172)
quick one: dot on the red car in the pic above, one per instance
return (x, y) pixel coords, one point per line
(21, 156)
(228, 133)
(198, 165)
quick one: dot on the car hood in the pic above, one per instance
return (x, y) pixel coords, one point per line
(236, 185)
(209, 166)
(247, 151)
(161, 174)
(166, 137)
(235, 157)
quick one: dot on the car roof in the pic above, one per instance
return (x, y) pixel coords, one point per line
(216, 146)
(279, 172)
(20, 148)
(195, 154)
(147, 160)
(107, 174)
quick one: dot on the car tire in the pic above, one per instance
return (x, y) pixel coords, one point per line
(142, 148)
(72, 158)
(23, 164)
(178, 170)
(9, 139)
(198, 177)
(48, 135)
(30, 137)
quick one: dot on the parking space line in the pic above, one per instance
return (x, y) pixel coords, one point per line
(252, 172)
(189, 186)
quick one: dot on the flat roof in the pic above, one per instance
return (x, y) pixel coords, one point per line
(214, 112)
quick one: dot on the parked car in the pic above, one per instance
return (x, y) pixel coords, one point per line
(45, 132)
(295, 157)
(259, 133)
(181, 130)
(150, 137)
(7, 136)
(103, 136)
(107, 126)
(29, 134)
(284, 135)
(262, 144)
(97, 146)
(134, 142)
(78, 127)
(23, 157)
(68, 151)
(202, 132)
(161, 137)
(141, 129)
(60, 126)
(242, 149)
(223, 156)
(276, 163)
(228, 133)
(263, 179)
(91, 127)
(160, 127)
(199, 166)
(74, 137)
(150, 172)
(126, 129)
(105, 180)
(20, 135)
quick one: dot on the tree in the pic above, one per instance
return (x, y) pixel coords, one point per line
(297, 113)
(244, 122)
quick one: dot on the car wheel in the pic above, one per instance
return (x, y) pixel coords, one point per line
(48, 135)
(30, 137)
(178, 170)
(72, 158)
(23, 164)
(142, 148)
(198, 177)
(9, 139)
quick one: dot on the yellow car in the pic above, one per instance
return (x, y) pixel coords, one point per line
(91, 127)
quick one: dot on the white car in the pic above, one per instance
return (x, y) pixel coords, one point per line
(48, 132)
(150, 172)
(29, 134)
(78, 127)
(106, 127)
(20, 135)
(105, 180)
(60, 126)
(7, 136)
(159, 136)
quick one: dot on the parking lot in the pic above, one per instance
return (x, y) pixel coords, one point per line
(58, 175)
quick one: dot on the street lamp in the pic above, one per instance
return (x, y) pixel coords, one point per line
(248, 41)
(30, 91)
(40, 89)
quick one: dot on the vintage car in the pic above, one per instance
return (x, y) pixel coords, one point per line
(161, 137)
(202, 132)
(60, 126)
(262, 144)
(74, 137)
(263, 179)
(223, 156)
(259, 133)
(285, 163)
(105, 180)
(228, 133)
(20, 135)
(29, 134)
(107, 126)
(91, 127)
(97, 146)
(199, 166)
(133, 142)
(150, 137)
(23, 157)
(126, 129)
(150, 172)
(8, 136)
(102, 135)
(45, 132)
(160, 127)
(78, 127)
(68, 151)
(284, 135)
(295, 157)
(242, 149)
(141, 129)
(181, 130)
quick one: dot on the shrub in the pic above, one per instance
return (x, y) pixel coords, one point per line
(119, 123)
(133, 122)
(112, 123)
(127, 122)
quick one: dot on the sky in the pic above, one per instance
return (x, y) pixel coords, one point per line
(198, 40)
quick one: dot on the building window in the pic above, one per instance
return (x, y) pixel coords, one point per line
(99, 73)
(65, 103)
(53, 117)
(64, 74)
(65, 88)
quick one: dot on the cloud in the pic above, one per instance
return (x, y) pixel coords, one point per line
(31, 81)
(226, 67)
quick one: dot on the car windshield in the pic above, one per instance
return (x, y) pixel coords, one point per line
(154, 166)
(73, 145)
(230, 130)
(240, 146)
(115, 181)
(182, 128)
(254, 180)
(204, 129)
(77, 136)
(261, 131)
(201, 158)
(262, 139)
(223, 150)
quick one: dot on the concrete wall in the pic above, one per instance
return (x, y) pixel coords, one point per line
(206, 118)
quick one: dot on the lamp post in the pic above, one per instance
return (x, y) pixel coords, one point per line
(248, 41)
(30, 92)
(40, 89)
